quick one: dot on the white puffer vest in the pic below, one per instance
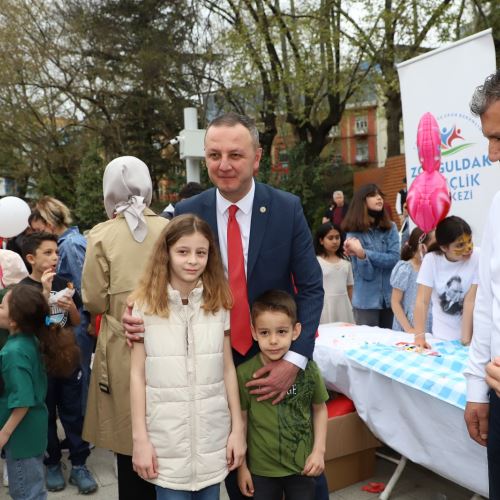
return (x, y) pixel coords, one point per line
(187, 414)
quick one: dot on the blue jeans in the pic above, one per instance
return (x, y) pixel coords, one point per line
(208, 493)
(26, 478)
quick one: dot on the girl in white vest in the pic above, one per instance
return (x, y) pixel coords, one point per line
(186, 422)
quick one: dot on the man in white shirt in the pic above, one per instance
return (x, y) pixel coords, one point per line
(482, 413)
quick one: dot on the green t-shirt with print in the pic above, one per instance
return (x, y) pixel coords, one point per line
(280, 437)
(25, 385)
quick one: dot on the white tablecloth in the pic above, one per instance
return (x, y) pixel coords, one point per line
(423, 428)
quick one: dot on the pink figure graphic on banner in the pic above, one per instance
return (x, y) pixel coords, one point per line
(429, 199)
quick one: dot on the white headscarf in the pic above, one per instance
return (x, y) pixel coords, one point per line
(127, 189)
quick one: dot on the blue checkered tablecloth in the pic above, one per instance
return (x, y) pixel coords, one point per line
(441, 377)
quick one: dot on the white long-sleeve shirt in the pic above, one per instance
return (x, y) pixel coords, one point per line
(486, 333)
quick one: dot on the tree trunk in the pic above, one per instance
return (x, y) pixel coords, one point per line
(266, 137)
(316, 144)
(393, 115)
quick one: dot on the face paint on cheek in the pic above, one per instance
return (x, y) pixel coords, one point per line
(468, 245)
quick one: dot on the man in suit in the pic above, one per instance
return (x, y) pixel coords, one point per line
(276, 239)
(277, 248)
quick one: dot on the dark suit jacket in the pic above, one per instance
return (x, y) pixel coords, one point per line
(280, 247)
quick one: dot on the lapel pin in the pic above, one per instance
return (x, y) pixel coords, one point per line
(263, 210)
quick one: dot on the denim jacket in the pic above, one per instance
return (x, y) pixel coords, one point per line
(72, 246)
(372, 275)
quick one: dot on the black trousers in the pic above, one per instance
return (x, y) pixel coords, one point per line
(494, 447)
(130, 485)
(374, 317)
(320, 492)
(294, 487)
(64, 398)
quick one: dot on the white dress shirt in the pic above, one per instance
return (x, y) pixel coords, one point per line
(244, 218)
(486, 332)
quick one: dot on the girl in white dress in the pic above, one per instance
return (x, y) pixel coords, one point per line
(337, 274)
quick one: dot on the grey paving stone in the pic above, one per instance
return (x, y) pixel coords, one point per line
(416, 483)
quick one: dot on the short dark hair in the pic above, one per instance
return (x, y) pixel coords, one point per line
(190, 189)
(232, 119)
(35, 215)
(32, 242)
(485, 95)
(447, 231)
(275, 301)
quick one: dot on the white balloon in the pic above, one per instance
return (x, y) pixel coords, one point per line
(14, 214)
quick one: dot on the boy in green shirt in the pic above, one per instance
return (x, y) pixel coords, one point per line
(286, 442)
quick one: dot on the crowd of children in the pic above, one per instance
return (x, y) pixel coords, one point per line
(191, 414)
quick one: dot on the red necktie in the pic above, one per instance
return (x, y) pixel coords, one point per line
(241, 336)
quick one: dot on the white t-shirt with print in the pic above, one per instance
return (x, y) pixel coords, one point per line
(450, 281)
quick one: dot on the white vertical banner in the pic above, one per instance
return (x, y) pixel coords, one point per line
(442, 82)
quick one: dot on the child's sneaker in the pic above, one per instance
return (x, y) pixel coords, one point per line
(55, 479)
(82, 478)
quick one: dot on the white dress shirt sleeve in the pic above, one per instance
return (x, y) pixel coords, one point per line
(296, 359)
(480, 349)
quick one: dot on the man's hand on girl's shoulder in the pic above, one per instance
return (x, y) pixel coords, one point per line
(133, 326)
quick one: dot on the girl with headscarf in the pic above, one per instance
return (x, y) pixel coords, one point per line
(117, 251)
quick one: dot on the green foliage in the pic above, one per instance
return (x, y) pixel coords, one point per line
(283, 59)
(312, 181)
(391, 32)
(119, 72)
(89, 209)
(117, 69)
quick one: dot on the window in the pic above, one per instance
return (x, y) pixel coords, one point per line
(361, 151)
(361, 124)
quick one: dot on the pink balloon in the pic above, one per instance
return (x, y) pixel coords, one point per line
(429, 199)
(429, 143)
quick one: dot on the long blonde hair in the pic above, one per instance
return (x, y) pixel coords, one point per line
(151, 292)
